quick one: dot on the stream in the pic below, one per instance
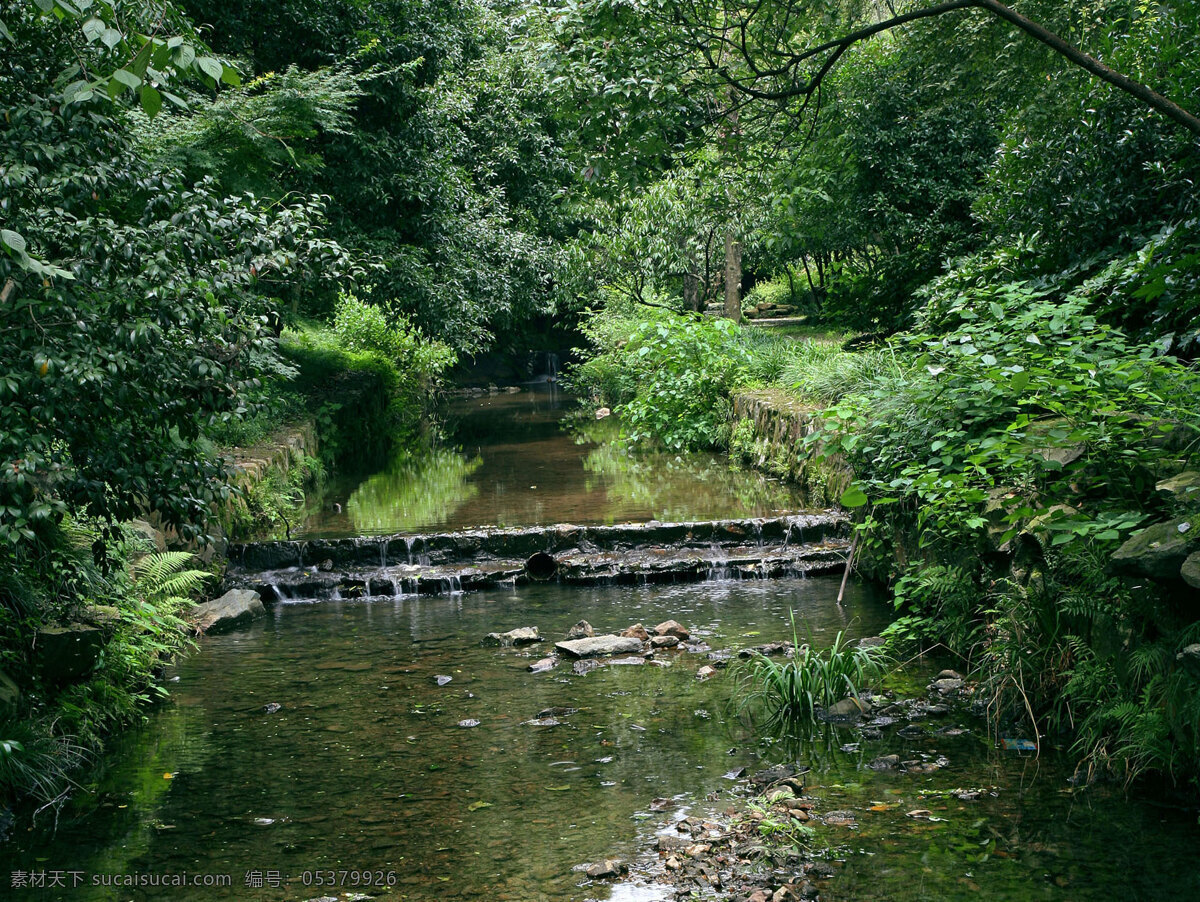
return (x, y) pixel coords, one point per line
(326, 742)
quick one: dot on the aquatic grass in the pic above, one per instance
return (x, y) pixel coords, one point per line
(793, 692)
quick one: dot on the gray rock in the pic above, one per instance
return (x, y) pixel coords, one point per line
(885, 762)
(706, 672)
(468, 723)
(664, 642)
(143, 533)
(1190, 658)
(543, 665)
(947, 686)
(872, 642)
(442, 679)
(523, 635)
(633, 662)
(586, 666)
(1159, 551)
(581, 630)
(66, 653)
(610, 867)
(235, 608)
(848, 707)
(599, 645)
(949, 675)
(10, 696)
(1185, 485)
(671, 628)
(1190, 571)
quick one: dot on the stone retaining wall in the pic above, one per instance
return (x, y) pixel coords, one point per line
(769, 431)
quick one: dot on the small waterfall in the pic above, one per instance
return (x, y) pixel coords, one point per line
(758, 532)
(719, 567)
(408, 547)
(551, 366)
(383, 546)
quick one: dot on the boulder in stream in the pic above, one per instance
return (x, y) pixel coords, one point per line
(672, 628)
(637, 631)
(610, 867)
(524, 635)
(543, 665)
(235, 608)
(581, 630)
(599, 645)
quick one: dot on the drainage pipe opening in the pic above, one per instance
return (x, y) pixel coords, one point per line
(541, 567)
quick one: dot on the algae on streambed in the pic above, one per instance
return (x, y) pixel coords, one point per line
(365, 766)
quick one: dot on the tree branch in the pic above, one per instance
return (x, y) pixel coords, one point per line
(833, 50)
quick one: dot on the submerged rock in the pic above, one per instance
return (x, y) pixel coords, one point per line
(586, 666)
(706, 672)
(557, 712)
(543, 665)
(235, 608)
(524, 635)
(442, 679)
(599, 645)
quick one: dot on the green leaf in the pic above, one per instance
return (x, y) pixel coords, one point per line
(231, 76)
(853, 497)
(6, 33)
(210, 67)
(13, 240)
(1020, 381)
(110, 38)
(93, 29)
(127, 78)
(151, 101)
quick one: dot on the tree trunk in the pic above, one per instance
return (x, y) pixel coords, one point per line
(692, 298)
(733, 277)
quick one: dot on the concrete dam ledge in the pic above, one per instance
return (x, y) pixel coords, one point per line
(469, 560)
(521, 542)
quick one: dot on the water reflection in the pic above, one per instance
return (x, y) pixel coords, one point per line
(511, 462)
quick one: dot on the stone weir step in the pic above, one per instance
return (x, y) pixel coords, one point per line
(480, 559)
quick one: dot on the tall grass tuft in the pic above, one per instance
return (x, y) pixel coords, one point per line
(791, 693)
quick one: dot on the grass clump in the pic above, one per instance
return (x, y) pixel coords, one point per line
(792, 693)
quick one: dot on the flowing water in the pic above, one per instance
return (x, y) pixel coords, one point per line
(510, 463)
(378, 742)
(366, 765)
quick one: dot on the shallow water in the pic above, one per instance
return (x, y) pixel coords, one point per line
(510, 462)
(365, 766)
